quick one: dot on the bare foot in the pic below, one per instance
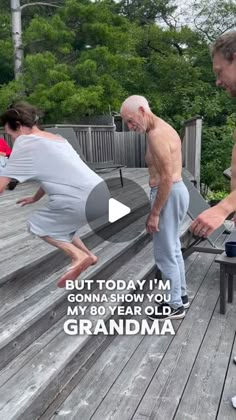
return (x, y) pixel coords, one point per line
(95, 259)
(75, 271)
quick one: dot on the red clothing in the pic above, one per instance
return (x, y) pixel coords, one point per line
(4, 147)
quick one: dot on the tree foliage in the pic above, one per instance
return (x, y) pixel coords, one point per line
(214, 17)
(146, 12)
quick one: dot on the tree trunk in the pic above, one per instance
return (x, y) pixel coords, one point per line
(17, 37)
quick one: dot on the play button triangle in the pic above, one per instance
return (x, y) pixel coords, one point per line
(117, 210)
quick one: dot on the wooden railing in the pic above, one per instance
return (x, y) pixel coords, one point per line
(191, 147)
(95, 141)
(100, 143)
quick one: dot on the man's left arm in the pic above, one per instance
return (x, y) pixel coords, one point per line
(162, 159)
(163, 163)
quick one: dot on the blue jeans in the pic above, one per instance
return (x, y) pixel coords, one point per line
(166, 242)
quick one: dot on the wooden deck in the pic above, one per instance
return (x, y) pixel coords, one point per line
(46, 374)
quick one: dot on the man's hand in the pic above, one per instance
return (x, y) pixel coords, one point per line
(26, 200)
(208, 221)
(152, 223)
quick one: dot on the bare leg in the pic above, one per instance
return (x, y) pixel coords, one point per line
(79, 244)
(80, 259)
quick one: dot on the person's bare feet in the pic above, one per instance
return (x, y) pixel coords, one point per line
(76, 270)
(95, 259)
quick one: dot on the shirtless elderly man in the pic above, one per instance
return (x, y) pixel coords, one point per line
(169, 199)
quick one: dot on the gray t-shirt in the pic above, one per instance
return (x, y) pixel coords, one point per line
(62, 174)
(53, 163)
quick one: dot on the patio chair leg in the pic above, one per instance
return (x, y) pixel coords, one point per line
(222, 289)
(230, 288)
(121, 178)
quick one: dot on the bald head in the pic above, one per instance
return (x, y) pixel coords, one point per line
(135, 111)
(133, 103)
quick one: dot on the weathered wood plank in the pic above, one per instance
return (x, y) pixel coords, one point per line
(69, 362)
(85, 398)
(144, 357)
(24, 260)
(166, 372)
(141, 262)
(15, 324)
(14, 293)
(226, 410)
(164, 393)
(62, 349)
(204, 387)
(25, 356)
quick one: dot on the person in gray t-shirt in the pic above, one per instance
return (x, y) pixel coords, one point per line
(62, 175)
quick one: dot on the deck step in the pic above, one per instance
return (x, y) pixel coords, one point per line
(29, 253)
(33, 304)
(30, 390)
(116, 385)
(26, 317)
(37, 358)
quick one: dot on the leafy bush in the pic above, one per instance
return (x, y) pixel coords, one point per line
(217, 195)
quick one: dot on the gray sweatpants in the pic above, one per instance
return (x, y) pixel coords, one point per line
(166, 242)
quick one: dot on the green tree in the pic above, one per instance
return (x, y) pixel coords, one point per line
(6, 50)
(216, 154)
(214, 17)
(146, 12)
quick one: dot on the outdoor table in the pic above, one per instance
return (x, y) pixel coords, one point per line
(227, 273)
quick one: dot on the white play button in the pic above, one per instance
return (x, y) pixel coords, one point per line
(117, 210)
(111, 207)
